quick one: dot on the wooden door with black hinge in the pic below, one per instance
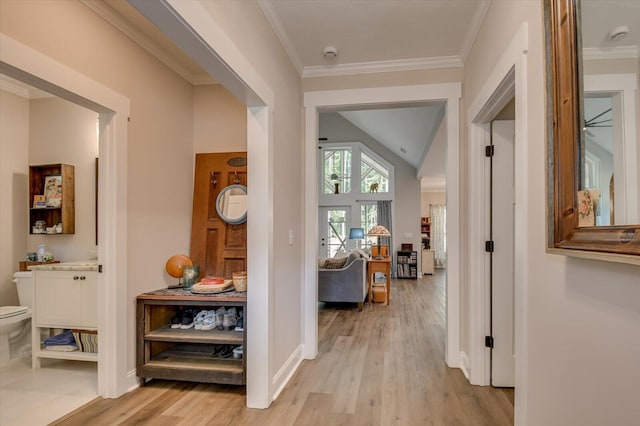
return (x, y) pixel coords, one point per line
(218, 247)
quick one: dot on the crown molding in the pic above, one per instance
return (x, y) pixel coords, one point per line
(278, 28)
(622, 52)
(15, 89)
(382, 66)
(474, 28)
(123, 25)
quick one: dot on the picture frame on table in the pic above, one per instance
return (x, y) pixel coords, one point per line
(53, 190)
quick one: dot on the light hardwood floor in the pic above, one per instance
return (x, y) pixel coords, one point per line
(383, 366)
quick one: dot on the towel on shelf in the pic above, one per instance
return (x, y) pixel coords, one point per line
(63, 339)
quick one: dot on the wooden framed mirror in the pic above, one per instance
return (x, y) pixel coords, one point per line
(568, 168)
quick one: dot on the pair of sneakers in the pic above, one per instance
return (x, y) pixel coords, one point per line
(183, 320)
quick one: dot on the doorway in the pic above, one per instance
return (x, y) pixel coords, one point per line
(25, 64)
(334, 226)
(322, 100)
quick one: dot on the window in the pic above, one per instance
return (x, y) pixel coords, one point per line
(368, 219)
(336, 166)
(373, 175)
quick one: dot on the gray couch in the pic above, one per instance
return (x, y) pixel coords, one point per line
(348, 284)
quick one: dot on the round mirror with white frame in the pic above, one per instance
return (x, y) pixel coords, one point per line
(231, 204)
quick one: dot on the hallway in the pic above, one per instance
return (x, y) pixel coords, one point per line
(382, 366)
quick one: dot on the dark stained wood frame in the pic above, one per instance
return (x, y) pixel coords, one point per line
(564, 118)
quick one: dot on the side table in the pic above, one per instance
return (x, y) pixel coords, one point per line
(383, 266)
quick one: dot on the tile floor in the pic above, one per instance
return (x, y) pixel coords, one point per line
(38, 397)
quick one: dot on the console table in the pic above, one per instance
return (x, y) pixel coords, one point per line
(382, 266)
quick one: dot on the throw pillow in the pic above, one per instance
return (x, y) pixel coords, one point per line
(335, 263)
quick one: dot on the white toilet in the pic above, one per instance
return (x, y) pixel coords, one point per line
(15, 324)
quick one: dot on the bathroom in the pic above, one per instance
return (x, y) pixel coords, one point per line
(37, 128)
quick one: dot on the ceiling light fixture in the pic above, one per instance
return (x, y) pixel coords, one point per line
(618, 33)
(330, 52)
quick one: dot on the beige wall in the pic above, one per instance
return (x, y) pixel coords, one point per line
(246, 25)
(14, 184)
(160, 132)
(582, 316)
(219, 120)
(63, 132)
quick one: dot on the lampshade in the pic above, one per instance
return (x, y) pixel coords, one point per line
(378, 231)
(356, 233)
(334, 177)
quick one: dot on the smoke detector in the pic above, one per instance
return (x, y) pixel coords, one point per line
(330, 52)
(618, 33)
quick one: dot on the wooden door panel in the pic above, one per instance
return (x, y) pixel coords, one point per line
(219, 248)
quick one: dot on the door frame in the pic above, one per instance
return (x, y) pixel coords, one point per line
(23, 63)
(332, 99)
(507, 79)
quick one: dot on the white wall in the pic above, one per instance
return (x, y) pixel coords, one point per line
(582, 316)
(63, 132)
(14, 184)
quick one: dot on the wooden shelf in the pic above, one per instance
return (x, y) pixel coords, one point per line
(168, 334)
(194, 367)
(187, 354)
(407, 264)
(64, 214)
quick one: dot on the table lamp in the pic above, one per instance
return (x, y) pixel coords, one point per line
(379, 231)
(356, 234)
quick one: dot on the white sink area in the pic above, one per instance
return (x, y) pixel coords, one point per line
(83, 265)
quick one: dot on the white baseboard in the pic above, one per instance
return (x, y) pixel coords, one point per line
(285, 373)
(464, 364)
(132, 381)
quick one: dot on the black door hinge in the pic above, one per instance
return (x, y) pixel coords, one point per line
(488, 246)
(489, 150)
(100, 268)
(488, 341)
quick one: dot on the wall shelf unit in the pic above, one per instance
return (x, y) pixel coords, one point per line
(65, 212)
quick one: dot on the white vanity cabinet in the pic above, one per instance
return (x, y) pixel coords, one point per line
(63, 299)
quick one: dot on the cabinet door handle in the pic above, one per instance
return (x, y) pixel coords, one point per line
(75, 277)
(82, 277)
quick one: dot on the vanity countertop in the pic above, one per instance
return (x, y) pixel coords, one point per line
(88, 265)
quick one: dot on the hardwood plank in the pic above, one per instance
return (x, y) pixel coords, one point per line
(382, 366)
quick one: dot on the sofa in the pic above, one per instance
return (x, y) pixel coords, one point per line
(343, 280)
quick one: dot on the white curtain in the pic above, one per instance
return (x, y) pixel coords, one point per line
(438, 234)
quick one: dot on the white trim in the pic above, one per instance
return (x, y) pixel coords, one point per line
(281, 33)
(513, 58)
(474, 28)
(132, 380)
(627, 84)
(620, 52)
(114, 18)
(464, 364)
(287, 371)
(382, 66)
(326, 100)
(21, 62)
